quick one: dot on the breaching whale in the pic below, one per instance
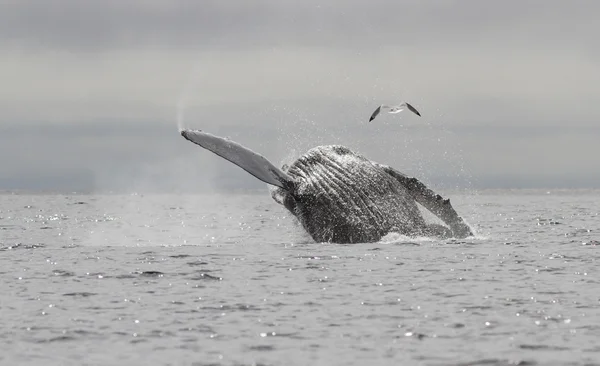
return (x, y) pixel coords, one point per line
(340, 196)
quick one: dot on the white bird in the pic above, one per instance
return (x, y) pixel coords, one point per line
(394, 109)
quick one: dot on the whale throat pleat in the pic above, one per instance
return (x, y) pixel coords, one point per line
(349, 202)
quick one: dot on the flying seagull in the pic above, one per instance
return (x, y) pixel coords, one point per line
(394, 109)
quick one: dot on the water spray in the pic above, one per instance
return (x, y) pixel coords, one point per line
(185, 97)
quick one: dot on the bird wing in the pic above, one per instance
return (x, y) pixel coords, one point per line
(375, 113)
(413, 109)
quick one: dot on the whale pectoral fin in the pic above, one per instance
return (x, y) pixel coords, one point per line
(439, 231)
(432, 202)
(253, 163)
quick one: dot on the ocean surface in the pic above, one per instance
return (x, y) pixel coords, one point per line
(233, 280)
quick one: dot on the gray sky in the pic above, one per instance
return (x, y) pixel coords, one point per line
(509, 90)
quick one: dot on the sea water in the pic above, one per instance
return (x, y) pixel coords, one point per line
(234, 280)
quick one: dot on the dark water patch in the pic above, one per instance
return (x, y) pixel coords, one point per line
(543, 347)
(282, 335)
(309, 266)
(149, 260)
(496, 362)
(561, 256)
(443, 294)
(151, 274)
(578, 232)
(592, 243)
(262, 348)
(406, 244)
(238, 307)
(549, 269)
(23, 246)
(461, 243)
(63, 273)
(80, 294)
(245, 307)
(11, 227)
(520, 261)
(198, 329)
(311, 303)
(92, 258)
(478, 307)
(83, 332)
(186, 311)
(63, 338)
(197, 263)
(543, 221)
(67, 336)
(177, 256)
(416, 335)
(206, 277)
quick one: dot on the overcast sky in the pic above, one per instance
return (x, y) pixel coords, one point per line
(89, 94)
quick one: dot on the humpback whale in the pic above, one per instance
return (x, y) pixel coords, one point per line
(340, 196)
